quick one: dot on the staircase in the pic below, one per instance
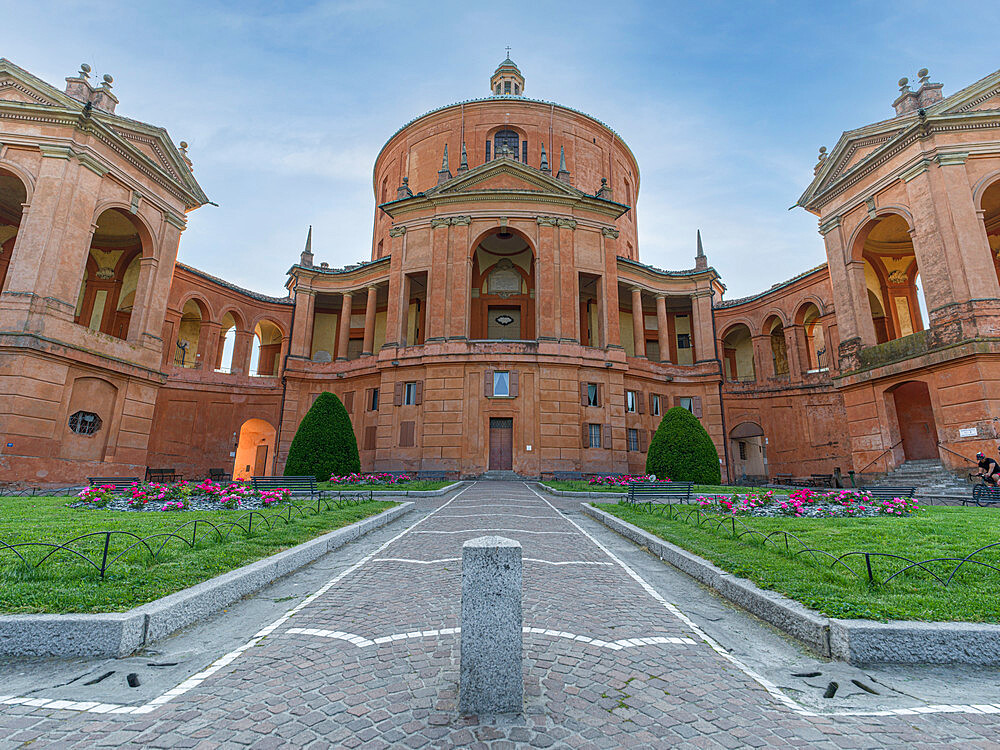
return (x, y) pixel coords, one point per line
(504, 475)
(929, 477)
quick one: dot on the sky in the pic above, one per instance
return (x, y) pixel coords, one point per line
(285, 105)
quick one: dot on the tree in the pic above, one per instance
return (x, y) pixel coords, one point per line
(324, 445)
(682, 451)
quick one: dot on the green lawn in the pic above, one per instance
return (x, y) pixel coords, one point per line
(64, 583)
(932, 532)
(582, 485)
(416, 484)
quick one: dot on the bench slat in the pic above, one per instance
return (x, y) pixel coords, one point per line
(650, 490)
(888, 493)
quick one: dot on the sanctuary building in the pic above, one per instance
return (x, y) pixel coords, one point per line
(504, 321)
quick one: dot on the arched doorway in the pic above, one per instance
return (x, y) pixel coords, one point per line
(12, 197)
(895, 297)
(991, 220)
(503, 288)
(775, 330)
(186, 348)
(737, 351)
(915, 418)
(749, 451)
(111, 276)
(254, 450)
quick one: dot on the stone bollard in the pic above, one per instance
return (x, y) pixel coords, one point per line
(491, 677)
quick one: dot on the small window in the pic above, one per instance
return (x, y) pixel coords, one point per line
(686, 402)
(743, 451)
(524, 151)
(506, 87)
(595, 435)
(630, 397)
(592, 395)
(655, 405)
(501, 383)
(410, 394)
(373, 406)
(683, 340)
(488, 143)
(84, 423)
(498, 88)
(633, 439)
(517, 89)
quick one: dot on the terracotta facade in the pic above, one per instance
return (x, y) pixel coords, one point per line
(504, 321)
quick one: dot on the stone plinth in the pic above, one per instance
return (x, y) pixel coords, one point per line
(491, 676)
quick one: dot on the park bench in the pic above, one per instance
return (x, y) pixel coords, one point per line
(568, 476)
(782, 479)
(888, 493)
(820, 480)
(120, 484)
(983, 494)
(295, 485)
(162, 475)
(648, 492)
(219, 475)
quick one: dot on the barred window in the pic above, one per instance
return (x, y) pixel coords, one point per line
(84, 423)
(633, 439)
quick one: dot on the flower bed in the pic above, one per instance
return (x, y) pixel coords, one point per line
(382, 478)
(623, 480)
(807, 503)
(207, 495)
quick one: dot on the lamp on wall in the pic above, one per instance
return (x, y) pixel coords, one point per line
(608, 364)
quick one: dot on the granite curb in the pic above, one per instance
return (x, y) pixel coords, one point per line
(118, 634)
(404, 493)
(857, 642)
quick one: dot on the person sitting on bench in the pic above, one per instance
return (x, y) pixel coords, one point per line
(989, 469)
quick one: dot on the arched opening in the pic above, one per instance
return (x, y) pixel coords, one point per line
(749, 452)
(737, 351)
(13, 196)
(186, 350)
(111, 275)
(254, 450)
(817, 358)
(895, 297)
(227, 344)
(911, 402)
(265, 348)
(779, 347)
(991, 218)
(503, 288)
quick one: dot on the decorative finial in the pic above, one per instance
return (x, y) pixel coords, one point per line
(306, 258)
(903, 87)
(184, 147)
(822, 153)
(701, 250)
(545, 160)
(403, 191)
(924, 75)
(84, 71)
(508, 51)
(604, 191)
(700, 259)
(463, 165)
(444, 159)
(444, 173)
(563, 173)
(108, 80)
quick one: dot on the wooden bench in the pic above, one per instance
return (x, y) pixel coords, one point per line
(821, 480)
(162, 475)
(889, 493)
(648, 492)
(219, 475)
(568, 476)
(782, 479)
(294, 485)
(120, 484)
(983, 494)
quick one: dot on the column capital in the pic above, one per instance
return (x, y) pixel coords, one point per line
(546, 221)
(659, 295)
(566, 223)
(397, 230)
(610, 232)
(951, 159)
(440, 221)
(829, 225)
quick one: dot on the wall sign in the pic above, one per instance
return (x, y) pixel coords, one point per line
(967, 432)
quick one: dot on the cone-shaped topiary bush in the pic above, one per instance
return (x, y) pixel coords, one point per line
(324, 444)
(682, 451)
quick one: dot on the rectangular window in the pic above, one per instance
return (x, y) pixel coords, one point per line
(633, 439)
(501, 383)
(686, 402)
(524, 151)
(592, 398)
(630, 397)
(654, 405)
(409, 394)
(373, 404)
(743, 451)
(487, 142)
(683, 340)
(595, 435)
(506, 87)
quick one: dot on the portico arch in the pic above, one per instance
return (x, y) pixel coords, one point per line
(989, 204)
(502, 297)
(737, 349)
(13, 196)
(254, 450)
(749, 451)
(910, 403)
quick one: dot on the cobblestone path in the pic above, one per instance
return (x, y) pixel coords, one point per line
(371, 660)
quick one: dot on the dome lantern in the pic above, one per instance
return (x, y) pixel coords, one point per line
(507, 79)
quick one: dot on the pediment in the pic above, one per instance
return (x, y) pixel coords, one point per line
(505, 175)
(14, 89)
(151, 147)
(982, 95)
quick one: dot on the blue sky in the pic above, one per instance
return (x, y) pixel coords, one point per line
(286, 104)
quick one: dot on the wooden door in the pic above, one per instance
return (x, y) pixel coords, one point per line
(501, 444)
(916, 421)
(260, 464)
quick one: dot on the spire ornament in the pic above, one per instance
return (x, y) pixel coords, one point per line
(444, 174)
(563, 173)
(545, 161)
(700, 259)
(306, 258)
(464, 164)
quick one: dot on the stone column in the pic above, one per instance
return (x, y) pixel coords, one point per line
(795, 339)
(638, 323)
(142, 300)
(404, 312)
(492, 680)
(437, 284)
(394, 327)
(763, 359)
(369, 342)
(608, 298)
(850, 292)
(345, 327)
(241, 352)
(662, 331)
(305, 308)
